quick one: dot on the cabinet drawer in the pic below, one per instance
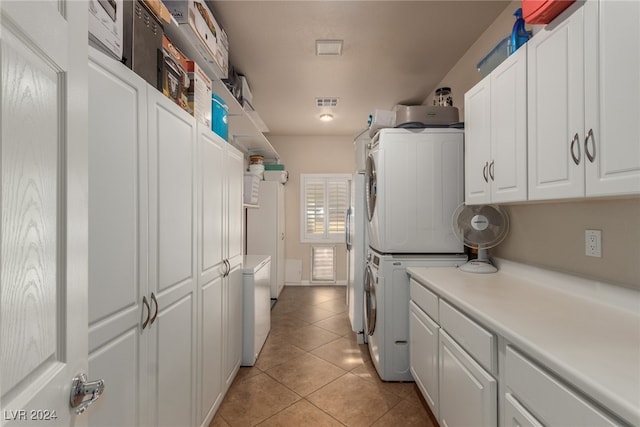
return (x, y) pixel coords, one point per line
(424, 298)
(479, 342)
(548, 399)
(517, 416)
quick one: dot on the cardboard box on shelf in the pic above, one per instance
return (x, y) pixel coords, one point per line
(196, 19)
(159, 9)
(106, 25)
(174, 78)
(199, 93)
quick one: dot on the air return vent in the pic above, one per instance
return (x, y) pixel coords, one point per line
(326, 102)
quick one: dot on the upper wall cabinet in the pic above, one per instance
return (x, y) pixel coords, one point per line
(584, 103)
(496, 134)
(612, 97)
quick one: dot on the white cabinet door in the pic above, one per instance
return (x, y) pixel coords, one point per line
(555, 79)
(210, 269)
(477, 139)
(265, 231)
(279, 265)
(468, 394)
(508, 165)
(117, 240)
(43, 165)
(232, 324)
(234, 167)
(515, 415)
(210, 346)
(423, 356)
(172, 270)
(612, 123)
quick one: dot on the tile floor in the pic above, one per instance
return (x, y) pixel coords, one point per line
(312, 372)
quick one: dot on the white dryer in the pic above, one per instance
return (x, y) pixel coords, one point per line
(386, 304)
(414, 183)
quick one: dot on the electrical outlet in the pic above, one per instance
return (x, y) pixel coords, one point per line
(593, 243)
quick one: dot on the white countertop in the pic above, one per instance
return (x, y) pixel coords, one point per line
(585, 331)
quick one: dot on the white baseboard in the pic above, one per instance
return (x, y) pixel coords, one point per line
(307, 283)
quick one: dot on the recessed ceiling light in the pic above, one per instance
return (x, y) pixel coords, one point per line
(326, 117)
(328, 47)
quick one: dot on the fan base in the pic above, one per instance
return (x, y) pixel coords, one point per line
(479, 266)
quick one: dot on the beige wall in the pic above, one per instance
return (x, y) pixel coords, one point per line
(310, 154)
(551, 235)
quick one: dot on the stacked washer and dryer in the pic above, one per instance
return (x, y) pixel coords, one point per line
(414, 183)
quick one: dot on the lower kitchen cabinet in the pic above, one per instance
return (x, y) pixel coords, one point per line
(423, 353)
(468, 393)
(159, 289)
(485, 377)
(549, 401)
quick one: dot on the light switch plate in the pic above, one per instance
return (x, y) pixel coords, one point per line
(593, 243)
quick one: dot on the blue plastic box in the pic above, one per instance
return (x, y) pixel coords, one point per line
(494, 58)
(219, 117)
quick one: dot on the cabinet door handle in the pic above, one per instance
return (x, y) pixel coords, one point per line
(146, 304)
(484, 171)
(491, 165)
(575, 143)
(590, 156)
(227, 268)
(155, 313)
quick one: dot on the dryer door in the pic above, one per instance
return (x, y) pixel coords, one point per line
(370, 301)
(371, 185)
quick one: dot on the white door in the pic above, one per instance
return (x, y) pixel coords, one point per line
(477, 110)
(555, 97)
(508, 166)
(43, 313)
(119, 304)
(172, 261)
(612, 104)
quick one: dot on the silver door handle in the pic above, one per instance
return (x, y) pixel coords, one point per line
(84, 393)
(575, 142)
(146, 304)
(484, 172)
(590, 156)
(491, 170)
(155, 314)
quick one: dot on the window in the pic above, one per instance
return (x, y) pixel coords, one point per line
(325, 199)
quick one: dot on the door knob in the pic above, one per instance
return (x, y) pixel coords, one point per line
(84, 393)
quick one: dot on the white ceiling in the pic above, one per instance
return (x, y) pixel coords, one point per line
(395, 52)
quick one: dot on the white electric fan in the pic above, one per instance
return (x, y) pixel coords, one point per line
(480, 227)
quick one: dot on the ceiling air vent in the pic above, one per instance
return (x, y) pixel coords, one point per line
(328, 47)
(326, 102)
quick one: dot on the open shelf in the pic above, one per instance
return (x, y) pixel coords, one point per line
(244, 132)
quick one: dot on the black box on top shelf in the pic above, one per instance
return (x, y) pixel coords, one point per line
(142, 50)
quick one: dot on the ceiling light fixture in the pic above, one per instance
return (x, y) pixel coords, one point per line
(326, 117)
(329, 47)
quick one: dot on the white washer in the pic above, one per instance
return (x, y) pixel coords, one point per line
(414, 183)
(386, 303)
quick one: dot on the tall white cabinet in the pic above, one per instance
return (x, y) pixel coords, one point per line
(165, 237)
(266, 233)
(219, 268)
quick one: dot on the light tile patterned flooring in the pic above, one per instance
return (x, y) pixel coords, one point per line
(312, 372)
